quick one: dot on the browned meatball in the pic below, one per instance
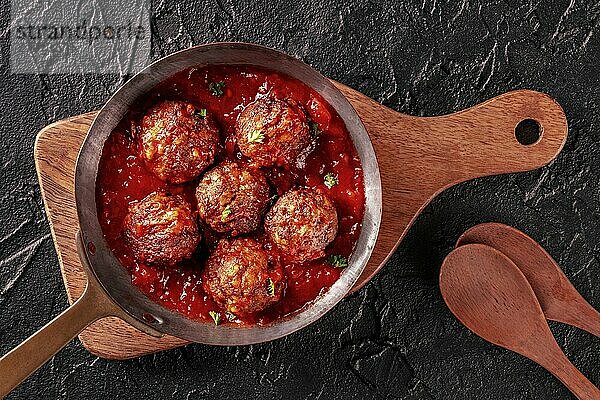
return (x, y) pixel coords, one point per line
(273, 132)
(177, 141)
(238, 277)
(232, 198)
(161, 229)
(302, 223)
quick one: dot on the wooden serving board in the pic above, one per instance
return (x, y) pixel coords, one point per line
(418, 158)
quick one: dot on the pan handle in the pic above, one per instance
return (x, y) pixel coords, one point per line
(27, 357)
(93, 305)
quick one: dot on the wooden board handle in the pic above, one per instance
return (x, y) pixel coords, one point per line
(482, 140)
(478, 141)
(441, 151)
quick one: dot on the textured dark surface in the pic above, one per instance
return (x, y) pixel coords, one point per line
(395, 338)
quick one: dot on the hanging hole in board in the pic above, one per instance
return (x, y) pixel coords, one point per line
(151, 319)
(528, 132)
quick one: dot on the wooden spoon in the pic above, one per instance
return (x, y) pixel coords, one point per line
(486, 291)
(559, 299)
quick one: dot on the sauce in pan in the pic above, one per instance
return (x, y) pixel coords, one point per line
(123, 178)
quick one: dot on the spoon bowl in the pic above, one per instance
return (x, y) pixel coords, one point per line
(558, 298)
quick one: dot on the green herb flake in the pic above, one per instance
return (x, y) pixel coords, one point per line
(330, 180)
(338, 261)
(216, 88)
(216, 316)
(230, 316)
(201, 113)
(270, 287)
(256, 136)
(315, 131)
(226, 212)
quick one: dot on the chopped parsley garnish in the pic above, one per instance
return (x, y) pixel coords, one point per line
(330, 180)
(226, 212)
(274, 198)
(315, 130)
(230, 316)
(270, 287)
(216, 88)
(201, 113)
(338, 261)
(216, 316)
(256, 136)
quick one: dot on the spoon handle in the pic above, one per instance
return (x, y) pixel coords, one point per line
(586, 317)
(559, 365)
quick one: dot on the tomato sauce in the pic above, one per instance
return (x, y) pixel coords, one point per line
(124, 178)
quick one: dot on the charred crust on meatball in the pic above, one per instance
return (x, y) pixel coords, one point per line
(233, 198)
(177, 140)
(239, 278)
(271, 131)
(161, 229)
(302, 223)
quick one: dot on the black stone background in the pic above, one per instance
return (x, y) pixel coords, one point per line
(395, 338)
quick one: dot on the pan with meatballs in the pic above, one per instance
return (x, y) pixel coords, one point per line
(187, 199)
